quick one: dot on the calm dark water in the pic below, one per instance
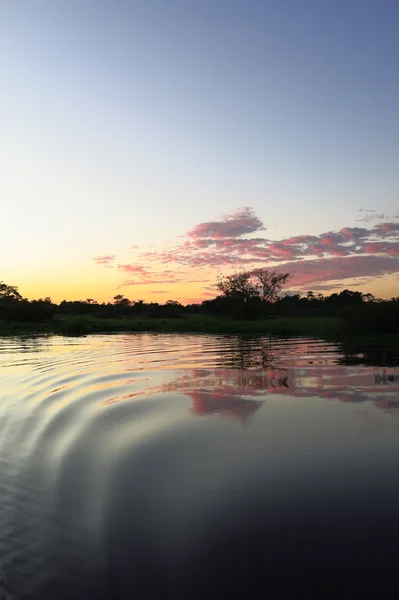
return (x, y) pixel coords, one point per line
(195, 467)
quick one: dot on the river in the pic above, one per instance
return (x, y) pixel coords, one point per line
(155, 466)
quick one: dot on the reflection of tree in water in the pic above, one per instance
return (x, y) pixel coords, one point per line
(263, 352)
(231, 381)
(237, 392)
(250, 353)
(386, 377)
(363, 354)
(249, 369)
(25, 344)
(225, 391)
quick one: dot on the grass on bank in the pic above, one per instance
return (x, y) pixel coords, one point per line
(322, 327)
(189, 323)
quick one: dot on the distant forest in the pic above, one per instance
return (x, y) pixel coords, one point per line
(248, 295)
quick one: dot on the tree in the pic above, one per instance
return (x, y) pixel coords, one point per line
(259, 283)
(368, 297)
(237, 286)
(9, 292)
(269, 283)
(120, 300)
(173, 303)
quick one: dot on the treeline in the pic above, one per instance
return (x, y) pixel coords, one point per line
(358, 312)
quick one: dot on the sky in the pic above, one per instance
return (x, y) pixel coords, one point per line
(149, 145)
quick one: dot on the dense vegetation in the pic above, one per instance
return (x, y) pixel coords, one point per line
(250, 301)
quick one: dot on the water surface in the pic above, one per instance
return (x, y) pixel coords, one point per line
(194, 466)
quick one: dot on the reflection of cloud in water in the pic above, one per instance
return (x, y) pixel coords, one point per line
(223, 387)
(348, 384)
(239, 393)
(386, 377)
(220, 391)
(225, 391)
(234, 407)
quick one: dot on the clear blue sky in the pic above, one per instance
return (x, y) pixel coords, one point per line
(133, 122)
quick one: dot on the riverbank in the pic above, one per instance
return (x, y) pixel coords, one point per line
(193, 323)
(322, 327)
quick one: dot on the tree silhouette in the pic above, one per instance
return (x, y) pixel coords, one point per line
(9, 292)
(269, 283)
(262, 284)
(120, 300)
(237, 286)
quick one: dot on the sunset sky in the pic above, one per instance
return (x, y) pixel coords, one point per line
(148, 145)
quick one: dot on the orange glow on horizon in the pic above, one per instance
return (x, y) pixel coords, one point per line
(102, 284)
(184, 293)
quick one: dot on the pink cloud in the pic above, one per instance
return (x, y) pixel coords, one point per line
(240, 251)
(387, 248)
(211, 287)
(139, 269)
(104, 260)
(238, 223)
(310, 272)
(282, 251)
(383, 228)
(197, 280)
(194, 300)
(147, 277)
(155, 281)
(226, 245)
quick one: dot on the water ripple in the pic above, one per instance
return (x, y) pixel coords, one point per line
(127, 461)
